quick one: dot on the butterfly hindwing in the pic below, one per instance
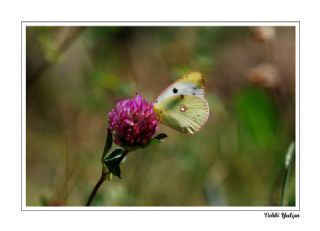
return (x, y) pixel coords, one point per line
(190, 84)
(184, 113)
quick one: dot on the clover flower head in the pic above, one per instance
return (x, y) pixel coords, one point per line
(133, 122)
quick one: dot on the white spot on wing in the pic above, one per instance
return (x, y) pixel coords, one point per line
(183, 108)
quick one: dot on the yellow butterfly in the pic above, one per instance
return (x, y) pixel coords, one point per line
(182, 106)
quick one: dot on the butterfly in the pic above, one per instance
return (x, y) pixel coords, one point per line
(182, 106)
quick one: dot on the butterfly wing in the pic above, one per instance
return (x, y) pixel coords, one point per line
(183, 113)
(190, 84)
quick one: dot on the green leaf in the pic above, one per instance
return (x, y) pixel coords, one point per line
(114, 168)
(160, 136)
(154, 141)
(116, 154)
(113, 161)
(157, 139)
(108, 145)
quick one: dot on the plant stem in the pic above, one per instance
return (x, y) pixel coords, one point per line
(97, 186)
(284, 185)
(289, 157)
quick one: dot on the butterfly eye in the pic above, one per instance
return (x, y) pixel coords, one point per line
(183, 108)
(175, 90)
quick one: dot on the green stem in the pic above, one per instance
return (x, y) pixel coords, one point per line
(288, 161)
(97, 186)
(284, 185)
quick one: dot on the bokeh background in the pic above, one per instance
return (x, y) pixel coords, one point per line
(75, 75)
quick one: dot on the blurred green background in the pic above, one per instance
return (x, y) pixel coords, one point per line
(75, 75)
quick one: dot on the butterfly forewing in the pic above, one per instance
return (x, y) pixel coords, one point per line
(190, 84)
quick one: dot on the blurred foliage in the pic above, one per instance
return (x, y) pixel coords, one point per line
(76, 75)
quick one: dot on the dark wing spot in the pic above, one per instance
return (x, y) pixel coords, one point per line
(175, 90)
(193, 93)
